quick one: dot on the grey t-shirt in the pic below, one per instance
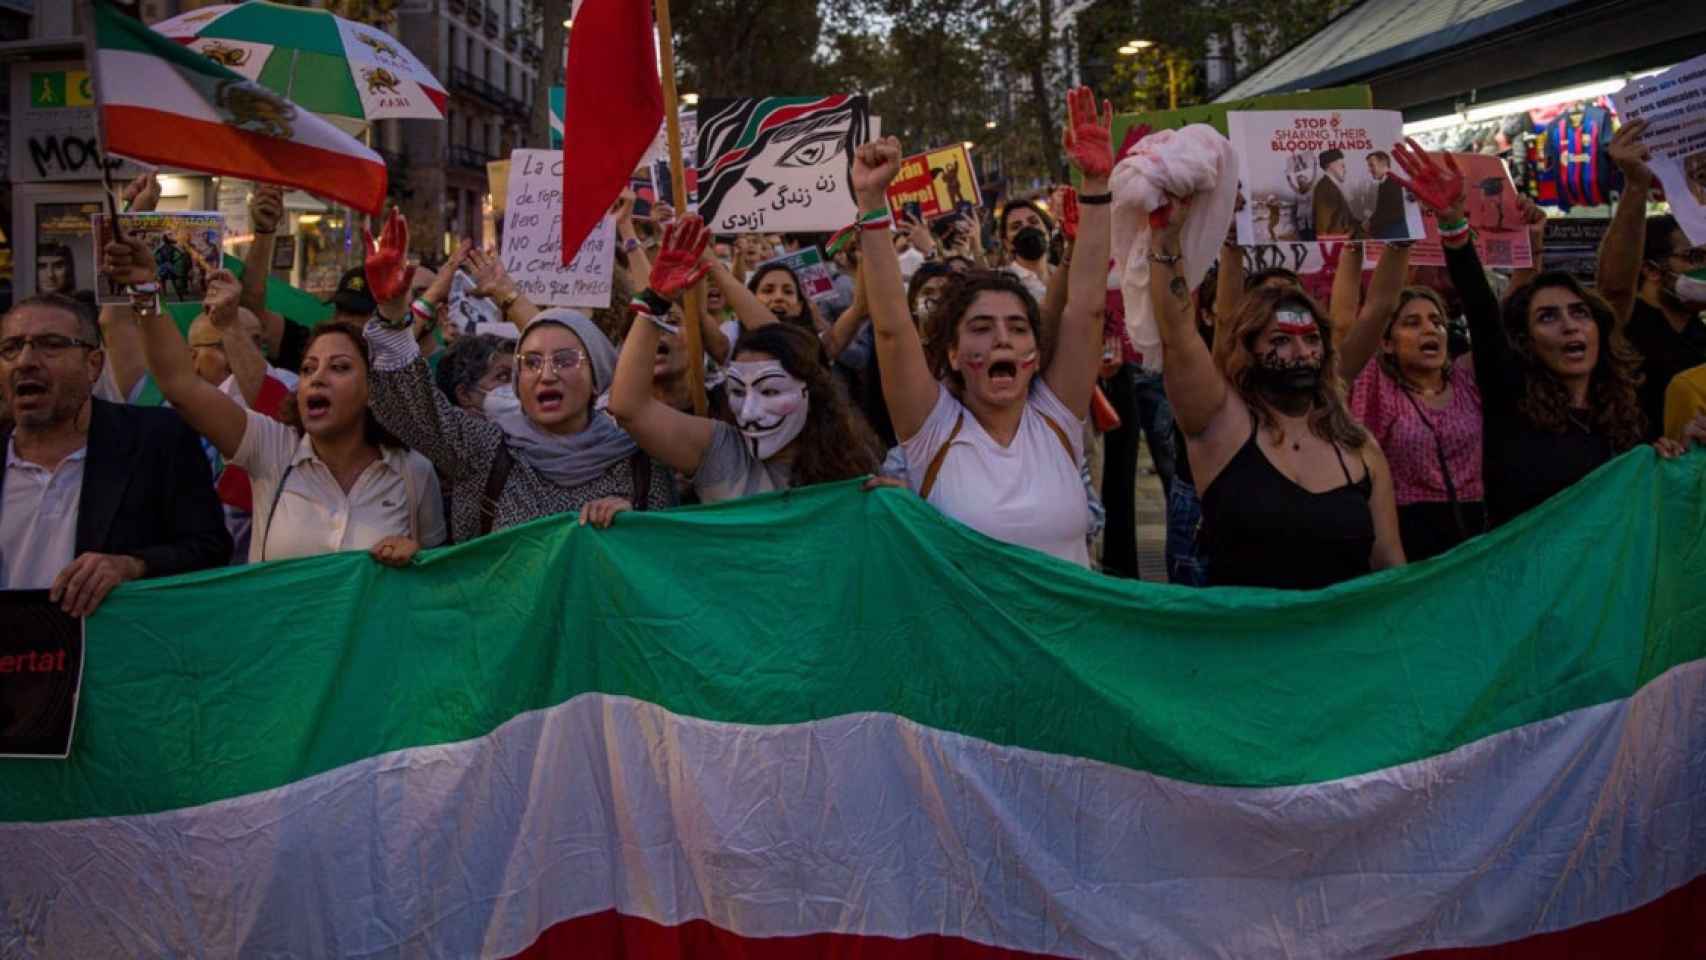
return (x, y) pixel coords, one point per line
(731, 470)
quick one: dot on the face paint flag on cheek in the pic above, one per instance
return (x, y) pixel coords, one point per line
(769, 404)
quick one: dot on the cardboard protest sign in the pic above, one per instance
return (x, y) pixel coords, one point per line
(1358, 97)
(808, 265)
(1494, 213)
(1320, 175)
(1674, 105)
(935, 184)
(779, 164)
(41, 676)
(186, 247)
(1572, 245)
(474, 314)
(533, 232)
(664, 183)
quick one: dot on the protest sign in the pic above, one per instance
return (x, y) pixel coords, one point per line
(41, 675)
(1572, 245)
(807, 264)
(1674, 105)
(1501, 237)
(1358, 97)
(533, 238)
(474, 314)
(662, 180)
(779, 164)
(186, 247)
(935, 184)
(1320, 175)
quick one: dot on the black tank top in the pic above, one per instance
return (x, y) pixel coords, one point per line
(1262, 530)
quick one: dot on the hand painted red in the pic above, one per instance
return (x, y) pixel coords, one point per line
(680, 260)
(388, 273)
(1439, 187)
(1088, 137)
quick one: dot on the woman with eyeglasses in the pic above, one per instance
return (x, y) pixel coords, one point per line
(556, 453)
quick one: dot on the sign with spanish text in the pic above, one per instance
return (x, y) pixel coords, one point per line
(779, 164)
(186, 248)
(41, 676)
(1674, 105)
(1501, 238)
(533, 238)
(1320, 175)
(935, 184)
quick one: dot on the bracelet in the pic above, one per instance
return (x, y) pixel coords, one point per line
(652, 302)
(423, 308)
(631, 244)
(508, 300)
(1095, 199)
(263, 233)
(1456, 227)
(145, 304)
(663, 323)
(881, 213)
(1164, 258)
(390, 324)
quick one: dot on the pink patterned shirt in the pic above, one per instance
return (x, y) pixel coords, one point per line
(1410, 445)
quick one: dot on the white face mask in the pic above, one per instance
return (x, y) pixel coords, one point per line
(1690, 289)
(500, 400)
(769, 404)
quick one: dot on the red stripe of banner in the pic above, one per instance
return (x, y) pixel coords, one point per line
(1672, 927)
(612, 934)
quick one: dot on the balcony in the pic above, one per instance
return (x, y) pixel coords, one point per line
(468, 158)
(476, 12)
(512, 40)
(457, 6)
(492, 23)
(463, 81)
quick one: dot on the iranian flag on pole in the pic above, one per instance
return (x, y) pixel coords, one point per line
(162, 103)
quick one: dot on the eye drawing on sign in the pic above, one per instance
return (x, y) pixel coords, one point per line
(779, 162)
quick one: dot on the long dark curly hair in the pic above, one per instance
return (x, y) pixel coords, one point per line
(372, 433)
(1613, 403)
(942, 327)
(1235, 357)
(836, 443)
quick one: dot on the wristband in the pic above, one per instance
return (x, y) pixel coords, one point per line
(631, 244)
(1455, 227)
(390, 324)
(878, 219)
(145, 304)
(1095, 199)
(652, 302)
(423, 308)
(1164, 258)
(508, 300)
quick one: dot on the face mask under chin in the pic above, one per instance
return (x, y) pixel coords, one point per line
(1688, 291)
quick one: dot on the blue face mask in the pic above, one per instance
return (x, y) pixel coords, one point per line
(499, 401)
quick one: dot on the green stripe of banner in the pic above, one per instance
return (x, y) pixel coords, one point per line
(827, 601)
(115, 31)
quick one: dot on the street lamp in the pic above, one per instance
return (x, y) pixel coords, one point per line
(967, 144)
(691, 99)
(990, 124)
(1133, 47)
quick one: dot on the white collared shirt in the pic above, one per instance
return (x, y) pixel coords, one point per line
(314, 515)
(38, 519)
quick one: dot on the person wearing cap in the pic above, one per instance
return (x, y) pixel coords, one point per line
(1333, 218)
(352, 302)
(557, 452)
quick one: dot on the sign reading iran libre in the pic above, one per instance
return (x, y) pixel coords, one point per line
(162, 103)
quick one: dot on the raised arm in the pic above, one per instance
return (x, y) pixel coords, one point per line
(1194, 386)
(1618, 275)
(1346, 301)
(675, 438)
(121, 341)
(209, 412)
(853, 318)
(1370, 321)
(717, 344)
(748, 310)
(492, 281)
(1229, 279)
(908, 387)
(1071, 373)
(266, 211)
(248, 365)
(1535, 219)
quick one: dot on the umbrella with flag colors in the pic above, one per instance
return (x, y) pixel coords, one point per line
(348, 72)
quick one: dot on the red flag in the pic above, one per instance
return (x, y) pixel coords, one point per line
(612, 105)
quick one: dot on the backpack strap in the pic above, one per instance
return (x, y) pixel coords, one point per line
(495, 480)
(640, 468)
(1060, 434)
(936, 461)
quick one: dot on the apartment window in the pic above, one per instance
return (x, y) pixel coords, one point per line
(489, 74)
(453, 46)
(507, 78)
(468, 53)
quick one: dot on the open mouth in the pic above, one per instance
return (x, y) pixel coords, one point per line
(1575, 350)
(550, 400)
(1003, 372)
(1431, 348)
(29, 388)
(317, 405)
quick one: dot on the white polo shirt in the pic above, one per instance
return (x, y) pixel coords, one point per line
(38, 519)
(314, 515)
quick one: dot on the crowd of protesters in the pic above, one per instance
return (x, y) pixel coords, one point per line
(1300, 443)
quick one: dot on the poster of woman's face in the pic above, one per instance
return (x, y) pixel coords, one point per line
(65, 250)
(779, 164)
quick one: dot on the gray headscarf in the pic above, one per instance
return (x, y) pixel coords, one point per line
(578, 458)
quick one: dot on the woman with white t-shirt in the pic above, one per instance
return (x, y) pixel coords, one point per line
(325, 479)
(988, 440)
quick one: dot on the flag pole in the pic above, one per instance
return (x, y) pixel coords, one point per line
(695, 301)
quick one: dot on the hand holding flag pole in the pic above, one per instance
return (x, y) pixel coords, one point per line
(695, 302)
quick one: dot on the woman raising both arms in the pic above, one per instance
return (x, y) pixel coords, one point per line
(1295, 493)
(991, 417)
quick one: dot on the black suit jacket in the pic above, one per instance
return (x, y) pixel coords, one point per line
(147, 491)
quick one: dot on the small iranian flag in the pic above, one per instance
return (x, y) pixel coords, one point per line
(163, 104)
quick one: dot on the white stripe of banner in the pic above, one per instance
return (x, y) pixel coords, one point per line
(143, 80)
(870, 824)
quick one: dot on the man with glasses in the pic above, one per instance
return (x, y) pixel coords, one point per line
(1654, 278)
(92, 494)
